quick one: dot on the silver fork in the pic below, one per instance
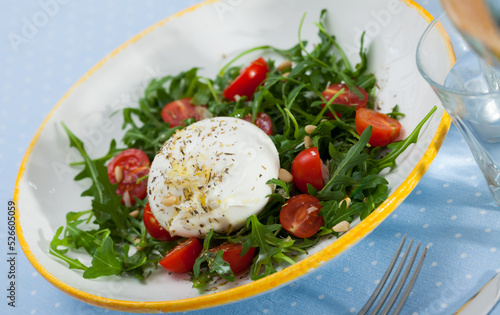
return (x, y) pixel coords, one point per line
(392, 283)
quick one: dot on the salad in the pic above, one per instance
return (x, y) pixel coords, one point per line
(241, 172)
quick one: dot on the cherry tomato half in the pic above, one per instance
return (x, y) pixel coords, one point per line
(134, 164)
(153, 226)
(248, 80)
(177, 111)
(232, 254)
(307, 168)
(299, 216)
(385, 128)
(345, 98)
(183, 256)
(263, 121)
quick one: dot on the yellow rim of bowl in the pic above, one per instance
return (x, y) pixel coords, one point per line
(244, 291)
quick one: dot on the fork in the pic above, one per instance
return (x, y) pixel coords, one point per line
(392, 283)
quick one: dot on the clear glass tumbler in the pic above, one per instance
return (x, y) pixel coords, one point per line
(469, 90)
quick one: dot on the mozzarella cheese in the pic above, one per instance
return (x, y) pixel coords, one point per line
(212, 175)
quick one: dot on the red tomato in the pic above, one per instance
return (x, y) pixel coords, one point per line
(299, 216)
(307, 168)
(263, 121)
(134, 164)
(345, 98)
(232, 254)
(385, 128)
(248, 80)
(153, 227)
(177, 111)
(182, 257)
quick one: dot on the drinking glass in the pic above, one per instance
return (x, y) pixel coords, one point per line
(469, 90)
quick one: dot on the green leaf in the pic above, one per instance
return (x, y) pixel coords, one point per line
(292, 96)
(104, 262)
(106, 205)
(89, 171)
(368, 182)
(61, 253)
(81, 238)
(261, 236)
(366, 81)
(399, 147)
(221, 267)
(353, 158)
(334, 212)
(73, 216)
(214, 264)
(137, 260)
(281, 184)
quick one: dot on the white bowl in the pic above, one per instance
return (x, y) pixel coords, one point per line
(45, 189)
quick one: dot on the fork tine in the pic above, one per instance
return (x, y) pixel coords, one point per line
(412, 282)
(393, 280)
(392, 283)
(375, 294)
(402, 281)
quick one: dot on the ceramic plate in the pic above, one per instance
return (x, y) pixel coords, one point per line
(45, 189)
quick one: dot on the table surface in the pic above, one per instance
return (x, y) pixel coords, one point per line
(451, 210)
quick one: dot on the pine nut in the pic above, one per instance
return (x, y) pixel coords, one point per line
(203, 112)
(311, 209)
(118, 174)
(347, 200)
(343, 226)
(310, 129)
(134, 214)
(137, 241)
(126, 199)
(285, 176)
(168, 201)
(308, 141)
(286, 64)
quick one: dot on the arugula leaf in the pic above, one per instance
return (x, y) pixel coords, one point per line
(374, 199)
(269, 247)
(96, 189)
(214, 265)
(138, 259)
(353, 157)
(367, 182)
(81, 238)
(220, 266)
(334, 212)
(281, 184)
(399, 147)
(104, 262)
(61, 253)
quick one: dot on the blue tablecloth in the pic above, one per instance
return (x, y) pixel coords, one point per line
(451, 210)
